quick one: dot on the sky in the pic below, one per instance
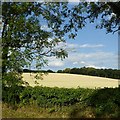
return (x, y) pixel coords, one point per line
(91, 48)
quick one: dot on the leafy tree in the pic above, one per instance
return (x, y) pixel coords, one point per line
(59, 71)
(50, 71)
(66, 70)
(75, 71)
(23, 38)
(108, 14)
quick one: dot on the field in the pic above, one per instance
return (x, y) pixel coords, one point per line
(70, 81)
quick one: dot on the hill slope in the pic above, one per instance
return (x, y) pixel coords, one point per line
(70, 81)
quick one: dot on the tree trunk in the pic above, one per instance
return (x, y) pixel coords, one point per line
(4, 48)
(4, 59)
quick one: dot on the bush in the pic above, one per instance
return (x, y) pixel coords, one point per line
(11, 95)
(105, 102)
(44, 96)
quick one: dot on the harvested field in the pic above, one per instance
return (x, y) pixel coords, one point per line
(70, 81)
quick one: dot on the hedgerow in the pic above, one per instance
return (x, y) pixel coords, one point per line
(44, 96)
(105, 101)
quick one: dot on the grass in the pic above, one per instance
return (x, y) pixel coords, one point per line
(39, 112)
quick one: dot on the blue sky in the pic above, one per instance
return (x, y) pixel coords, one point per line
(91, 48)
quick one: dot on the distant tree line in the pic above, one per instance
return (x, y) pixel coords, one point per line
(37, 71)
(108, 73)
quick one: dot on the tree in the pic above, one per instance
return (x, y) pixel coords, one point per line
(59, 71)
(108, 13)
(24, 40)
(66, 70)
(50, 71)
(75, 71)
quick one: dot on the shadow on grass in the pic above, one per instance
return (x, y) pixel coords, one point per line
(103, 103)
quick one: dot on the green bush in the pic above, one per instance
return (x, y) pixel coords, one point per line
(44, 96)
(11, 95)
(105, 102)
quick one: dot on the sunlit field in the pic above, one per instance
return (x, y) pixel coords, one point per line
(70, 81)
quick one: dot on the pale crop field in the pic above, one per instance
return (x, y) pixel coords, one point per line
(63, 80)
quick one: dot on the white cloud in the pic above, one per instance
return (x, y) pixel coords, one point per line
(74, 63)
(70, 45)
(82, 62)
(91, 46)
(93, 66)
(53, 62)
(87, 64)
(56, 64)
(74, 0)
(91, 0)
(96, 60)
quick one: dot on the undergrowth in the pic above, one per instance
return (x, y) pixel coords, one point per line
(83, 102)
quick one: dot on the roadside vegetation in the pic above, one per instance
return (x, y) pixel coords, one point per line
(45, 102)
